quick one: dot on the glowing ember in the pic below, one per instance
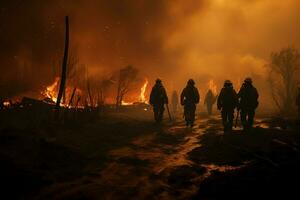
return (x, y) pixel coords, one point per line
(143, 90)
(126, 103)
(6, 103)
(51, 90)
(212, 86)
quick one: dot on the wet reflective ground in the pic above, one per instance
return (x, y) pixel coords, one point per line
(143, 160)
(169, 162)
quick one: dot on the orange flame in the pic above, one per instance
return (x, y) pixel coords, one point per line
(212, 86)
(51, 93)
(51, 90)
(143, 90)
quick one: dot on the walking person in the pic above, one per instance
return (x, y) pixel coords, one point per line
(227, 102)
(209, 101)
(248, 102)
(189, 98)
(158, 98)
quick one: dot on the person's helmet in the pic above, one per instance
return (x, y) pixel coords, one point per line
(191, 82)
(158, 81)
(248, 80)
(227, 83)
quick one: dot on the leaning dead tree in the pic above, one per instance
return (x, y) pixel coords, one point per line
(282, 78)
(127, 76)
(72, 97)
(64, 67)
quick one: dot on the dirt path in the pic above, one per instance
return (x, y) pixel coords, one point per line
(171, 161)
(156, 165)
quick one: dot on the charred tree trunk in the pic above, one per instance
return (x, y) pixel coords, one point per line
(72, 97)
(118, 97)
(64, 67)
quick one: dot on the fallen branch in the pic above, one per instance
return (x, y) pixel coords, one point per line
(286, 144)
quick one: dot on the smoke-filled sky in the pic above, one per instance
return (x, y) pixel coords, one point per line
(170, 39)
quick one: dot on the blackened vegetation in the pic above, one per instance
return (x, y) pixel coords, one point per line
(37, 152)
(126, 77)
(284, 68)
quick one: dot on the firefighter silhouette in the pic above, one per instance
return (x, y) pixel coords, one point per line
(158, 98)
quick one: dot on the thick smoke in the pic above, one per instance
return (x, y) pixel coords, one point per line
(174, 40)
(107, 34)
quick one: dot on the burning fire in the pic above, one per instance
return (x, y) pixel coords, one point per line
(143, 90)
(51, 91)
(142, 96)
(212, 86)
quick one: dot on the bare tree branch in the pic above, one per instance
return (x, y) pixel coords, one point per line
(282, 78)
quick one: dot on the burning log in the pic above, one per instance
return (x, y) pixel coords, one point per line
(64, 66)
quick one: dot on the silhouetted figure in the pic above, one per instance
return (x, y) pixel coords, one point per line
(298, 100)
(227, 102)
(189, 98)
(248, 102)
(209, 101)
(174, 101)
(158, 98)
